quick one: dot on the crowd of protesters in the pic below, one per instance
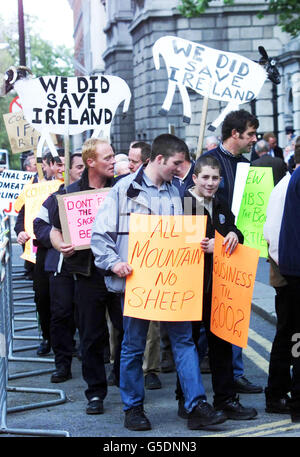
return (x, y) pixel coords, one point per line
(81, 292)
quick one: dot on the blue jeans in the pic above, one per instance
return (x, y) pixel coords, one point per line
(185, 358)
(237, 354)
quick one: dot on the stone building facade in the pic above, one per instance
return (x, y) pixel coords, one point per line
(131, 29)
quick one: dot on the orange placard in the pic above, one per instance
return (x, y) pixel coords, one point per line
(168, 264)
(233, 283)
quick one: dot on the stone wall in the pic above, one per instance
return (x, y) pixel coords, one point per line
(118, 61)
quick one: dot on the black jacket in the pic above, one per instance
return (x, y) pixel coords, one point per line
(222, 221)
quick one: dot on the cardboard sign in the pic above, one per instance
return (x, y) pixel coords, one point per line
(215, 74)
(233, 283)
(34, 197)
(22, 136)
(77, 212)
(253, 209)
(242, 170)
(71, 105)
(168, 264)
(12, 183)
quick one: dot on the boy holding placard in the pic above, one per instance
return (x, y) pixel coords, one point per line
(198, 200)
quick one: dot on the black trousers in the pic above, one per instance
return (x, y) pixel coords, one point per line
(93, 300)
(285, 351)
(62, 328)
(42, 292)
(220, 358)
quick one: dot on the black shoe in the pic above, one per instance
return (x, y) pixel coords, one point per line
(44, 348)
(203, 415)
(61, 376)
(243, 386)
(152, 381)
(235, 411)
(135, 419)
(182, 412)
(95, 406)
(278, 405)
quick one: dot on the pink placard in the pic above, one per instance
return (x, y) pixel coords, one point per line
(77, 213)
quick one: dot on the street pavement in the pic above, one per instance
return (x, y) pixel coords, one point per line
(32, 413)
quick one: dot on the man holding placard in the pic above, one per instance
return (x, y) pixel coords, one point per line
(147, 192)
(92, 296)
(238, 137)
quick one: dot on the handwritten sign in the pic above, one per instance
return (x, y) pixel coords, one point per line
(77, 212)
(34, 197)
(242, 170)
(71, 105)
(12, 183)
(22, 136)
(253, 209)
(233, 282)
(168, 262)
(213, 73)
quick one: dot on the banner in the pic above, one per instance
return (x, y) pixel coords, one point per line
(34, 197)
(252, 214)
(12, 183)
(168, 265)
(232, 290)
(77, 212)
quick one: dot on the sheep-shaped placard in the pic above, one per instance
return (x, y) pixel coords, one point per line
(215, 74)
(67, 105)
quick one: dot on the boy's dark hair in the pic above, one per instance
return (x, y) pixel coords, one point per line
(206, 160)
(167, 145)
(72, 157)
(60, 153)
(239, 120)
(145, 150)
(49, 157)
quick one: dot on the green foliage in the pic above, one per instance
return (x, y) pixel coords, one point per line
(194, 8)
(4, 108)
(288, 12)
(41, 56)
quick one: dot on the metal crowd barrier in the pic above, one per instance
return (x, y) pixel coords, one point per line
(6, 341)
(15, 277)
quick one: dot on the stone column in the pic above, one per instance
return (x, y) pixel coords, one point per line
(296, 101)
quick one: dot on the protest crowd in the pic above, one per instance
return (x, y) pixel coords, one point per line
(80, 294)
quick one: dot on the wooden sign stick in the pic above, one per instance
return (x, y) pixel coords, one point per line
(202, 126)
(67, 159)
(38, 166)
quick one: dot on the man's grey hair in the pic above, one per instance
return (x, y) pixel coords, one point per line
(261, 146)
(27, 160)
